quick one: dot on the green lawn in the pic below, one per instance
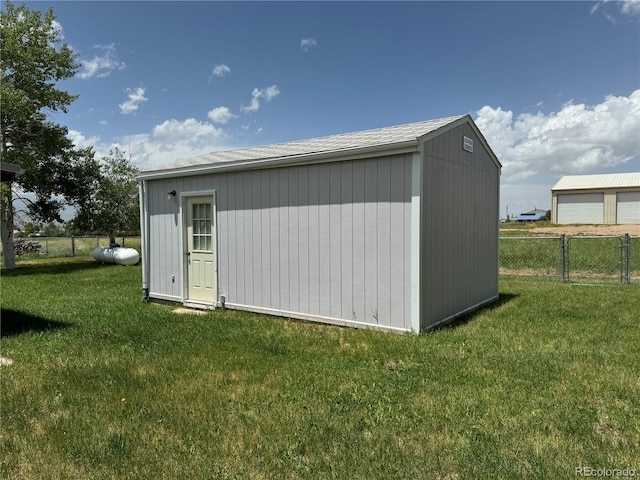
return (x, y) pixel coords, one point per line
(104, 386)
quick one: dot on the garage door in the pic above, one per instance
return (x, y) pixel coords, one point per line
(628, 208)
(581, 208)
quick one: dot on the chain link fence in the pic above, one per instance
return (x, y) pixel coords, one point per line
(75, 246)
(576, 259)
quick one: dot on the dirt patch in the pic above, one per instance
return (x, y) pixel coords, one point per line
(617, 230)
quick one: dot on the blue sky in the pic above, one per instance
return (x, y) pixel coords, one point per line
(554, 86)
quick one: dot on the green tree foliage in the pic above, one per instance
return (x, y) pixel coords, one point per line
(30, 228)
(53, 230)
(113, 205)
(32, 63)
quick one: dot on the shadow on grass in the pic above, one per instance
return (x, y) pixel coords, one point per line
(14, 322)
(54, 267)
(468, 317)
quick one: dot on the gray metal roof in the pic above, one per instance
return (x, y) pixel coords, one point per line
(585, 182)
(333, 144)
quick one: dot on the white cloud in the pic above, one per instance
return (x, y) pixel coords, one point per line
(176, 131)
(174, 140)
(270, 92)
(102, 64)
(80, 141)
(630, 7)
(220, 115)
(577, 139)
(220, 70)
(135, 98)
(307, 43)
(266, 93)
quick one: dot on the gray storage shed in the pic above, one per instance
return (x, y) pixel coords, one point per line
(394, 228)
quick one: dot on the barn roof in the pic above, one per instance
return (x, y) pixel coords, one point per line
(584, 182)
(398, 138)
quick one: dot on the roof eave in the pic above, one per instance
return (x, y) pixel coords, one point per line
(595, 187)
(321, 157)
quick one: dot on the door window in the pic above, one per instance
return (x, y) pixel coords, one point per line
(202, 223)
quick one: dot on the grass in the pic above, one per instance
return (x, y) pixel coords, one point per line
(104, 386)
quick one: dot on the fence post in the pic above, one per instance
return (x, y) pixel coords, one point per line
(627, 258)
(73, 246)
(562, 258)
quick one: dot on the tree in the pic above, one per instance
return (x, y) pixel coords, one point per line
(30, 228)
(113, 205)
(56, 173)
(52, 230)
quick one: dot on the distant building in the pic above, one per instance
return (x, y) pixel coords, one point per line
(596, 199)
(532, 216)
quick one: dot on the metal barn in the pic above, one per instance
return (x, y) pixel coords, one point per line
(598, 199)
(394, 228)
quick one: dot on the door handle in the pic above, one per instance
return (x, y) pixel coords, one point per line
(188, 254)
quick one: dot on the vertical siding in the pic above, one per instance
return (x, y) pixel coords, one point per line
(371, 242)
(274, 234)
(294, 234)
(346, 239)
(314, 240)
(324, 239)
(330, 239)
(304, 240)
(358, 303)
(610, 205)
(334, 257)
(284, 237)
(460, 211)
(265, 252)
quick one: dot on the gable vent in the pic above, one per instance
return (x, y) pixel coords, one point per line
(467, 144)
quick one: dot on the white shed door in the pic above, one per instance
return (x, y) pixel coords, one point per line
(201, 254)
(628, 208)
(581, 208)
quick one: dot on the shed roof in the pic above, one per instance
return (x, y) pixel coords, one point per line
(400, 136)
(584, 182)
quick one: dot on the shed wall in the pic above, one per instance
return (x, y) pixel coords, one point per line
(460, 231)
(331, 240)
